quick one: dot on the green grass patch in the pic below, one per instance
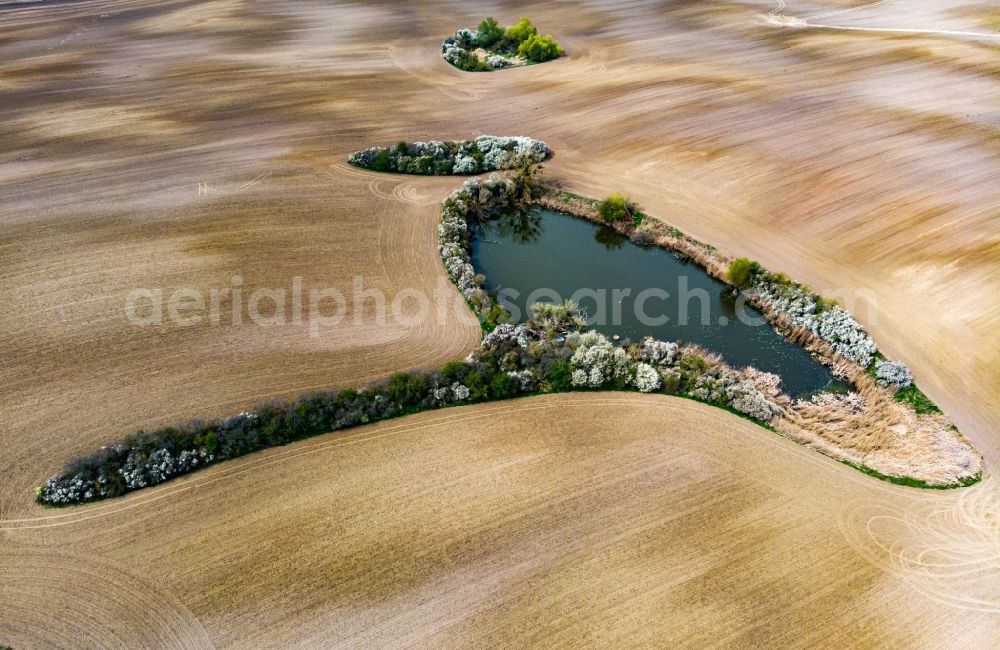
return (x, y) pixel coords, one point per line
(916, 398)
(909, 481)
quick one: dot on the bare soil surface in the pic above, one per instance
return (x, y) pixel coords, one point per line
(176, 144)
(601, 519)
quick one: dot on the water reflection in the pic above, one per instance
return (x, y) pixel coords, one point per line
(610, 238)
(516, 225)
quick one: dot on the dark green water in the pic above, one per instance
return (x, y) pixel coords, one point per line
(546, 256)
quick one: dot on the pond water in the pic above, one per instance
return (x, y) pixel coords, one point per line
(632, 291)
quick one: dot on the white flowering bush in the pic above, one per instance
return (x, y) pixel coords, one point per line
(834, 325)
(839, 403)
(724, 385)
(750, 401)
(143, 469)
(474, 199)
(658, 353)
(602, 362)
(465, 164)
(848, 338)
(647, 378)
(893, 373)
(506, 335)
(497, 159)
(65, 490)
(485, 153)
(526, 380)
(767, 383)
(461, 392)
(516, 146)
(443, 395)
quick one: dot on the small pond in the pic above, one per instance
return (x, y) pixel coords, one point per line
(632, 291)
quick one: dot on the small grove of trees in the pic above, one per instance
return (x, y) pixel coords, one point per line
(485, 153)
(741, 272)
(502, 45)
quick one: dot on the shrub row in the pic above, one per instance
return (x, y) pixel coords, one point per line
(436, 158)
(547, 354)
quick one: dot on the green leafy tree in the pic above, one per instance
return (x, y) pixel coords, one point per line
(490, 32)
(741, 272)
(521, 32)
(407, 389)
(526, 176)
(615, 208)
(455, 370)
(477, 385)
(503, 386)
(383, 161)
(560, 376)
(539, 48)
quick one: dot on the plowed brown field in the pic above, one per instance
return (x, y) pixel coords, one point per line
(176, 144)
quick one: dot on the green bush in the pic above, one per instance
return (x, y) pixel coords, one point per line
(477, 385)
(383, 161)
(407, 389)
(742, 271)
(560, 376)
(490, 31)
(615, 208)
(521, 32)
(424, 165)
(496, 316)
(539, 48)
(691, 366)
(671, 383)
(455, 370)
(471, 63)
(825, 303)
(503, 386)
